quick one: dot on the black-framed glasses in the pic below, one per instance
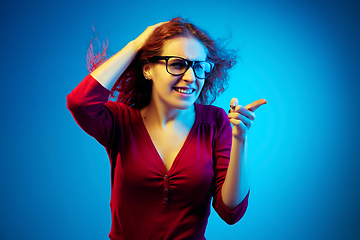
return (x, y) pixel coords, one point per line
(178, 66)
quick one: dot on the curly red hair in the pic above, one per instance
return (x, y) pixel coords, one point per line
(134, 90)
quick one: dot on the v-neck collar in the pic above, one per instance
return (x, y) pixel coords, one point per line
(182, 149)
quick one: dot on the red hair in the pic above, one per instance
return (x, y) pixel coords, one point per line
(134, 90)
(94, 60)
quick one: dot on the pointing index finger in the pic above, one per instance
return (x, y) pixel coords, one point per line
(255, 105)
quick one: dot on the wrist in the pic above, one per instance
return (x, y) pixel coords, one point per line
(241, 138)
(137, 44)
(134, 45)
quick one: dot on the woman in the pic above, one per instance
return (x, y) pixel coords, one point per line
(168, 154)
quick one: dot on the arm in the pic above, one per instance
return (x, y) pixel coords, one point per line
(236, 185)
(87, 105)
(87, 101)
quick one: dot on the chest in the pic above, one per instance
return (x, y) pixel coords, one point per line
(168, 142)
(183, 175)
(187, 157)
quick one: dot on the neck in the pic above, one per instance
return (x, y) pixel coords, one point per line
(161, 115)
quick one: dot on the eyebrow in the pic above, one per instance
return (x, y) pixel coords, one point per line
(206, 59)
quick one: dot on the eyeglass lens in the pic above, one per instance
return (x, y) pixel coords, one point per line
(178, 66)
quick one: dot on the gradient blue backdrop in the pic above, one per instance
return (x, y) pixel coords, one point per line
(302, 56)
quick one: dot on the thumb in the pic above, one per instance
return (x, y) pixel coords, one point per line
(234, 102)
(255, 105)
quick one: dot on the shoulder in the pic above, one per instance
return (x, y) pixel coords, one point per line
(210, 114)
(121, 110)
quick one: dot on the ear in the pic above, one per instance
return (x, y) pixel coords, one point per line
(147, 70)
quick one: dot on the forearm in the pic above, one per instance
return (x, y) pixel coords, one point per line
(236, 184)
(107, 73)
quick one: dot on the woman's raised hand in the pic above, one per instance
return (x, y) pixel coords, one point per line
(142, 38)
(242, 117)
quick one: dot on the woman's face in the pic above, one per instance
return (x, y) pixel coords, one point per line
(178, 92)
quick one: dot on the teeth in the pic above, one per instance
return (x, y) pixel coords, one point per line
(182, 90)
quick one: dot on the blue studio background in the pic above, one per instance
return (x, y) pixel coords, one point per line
(302, 56)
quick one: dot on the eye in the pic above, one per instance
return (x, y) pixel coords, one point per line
(177, 63)
(199, 66)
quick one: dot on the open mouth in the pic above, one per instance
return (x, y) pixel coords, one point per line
(184, 90)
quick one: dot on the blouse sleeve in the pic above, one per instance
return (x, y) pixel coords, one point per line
(87, 103)
(222, 150)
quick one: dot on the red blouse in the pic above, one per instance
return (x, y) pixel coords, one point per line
(147, 201)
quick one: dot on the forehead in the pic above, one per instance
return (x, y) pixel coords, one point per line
(186, 47)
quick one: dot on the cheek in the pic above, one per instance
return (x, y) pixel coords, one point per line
(201, 84)
(201, 88)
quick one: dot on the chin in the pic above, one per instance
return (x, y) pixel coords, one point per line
(184, 105)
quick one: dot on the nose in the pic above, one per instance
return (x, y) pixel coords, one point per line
(189, 75)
